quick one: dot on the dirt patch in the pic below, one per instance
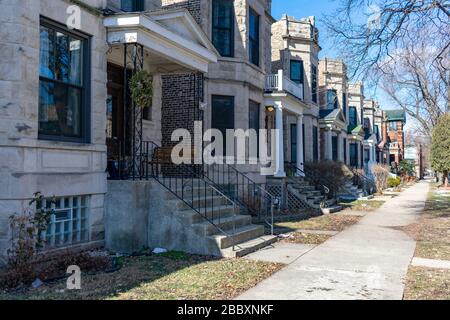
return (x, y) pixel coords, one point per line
(307, 238)
(326, 222)
(170, 277)
(427, 284)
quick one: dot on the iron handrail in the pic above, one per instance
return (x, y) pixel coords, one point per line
(222, 175)
(188, 175)
(289, 166)
(365, 180)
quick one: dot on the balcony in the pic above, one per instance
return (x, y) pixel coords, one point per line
(280, 83)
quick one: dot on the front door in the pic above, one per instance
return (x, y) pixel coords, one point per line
(293, 143)
(117, 122)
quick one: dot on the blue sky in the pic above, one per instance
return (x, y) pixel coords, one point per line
(304, 8)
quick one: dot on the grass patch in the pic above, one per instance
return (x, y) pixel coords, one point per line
(174, 276)
(427, 284)
(431, 231)
(329, 222)
(363, 205)
(307, 238)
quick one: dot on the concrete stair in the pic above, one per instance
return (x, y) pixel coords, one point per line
(351, 192)
(309, 194)
(223, 231)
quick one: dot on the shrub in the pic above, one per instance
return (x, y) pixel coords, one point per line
(394, 182)
(407, 168)
(380, 174)
(333, 175)
(26, 260)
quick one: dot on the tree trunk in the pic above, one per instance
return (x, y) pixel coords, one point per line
(445, 179)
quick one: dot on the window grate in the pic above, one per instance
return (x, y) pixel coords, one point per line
(69, 224)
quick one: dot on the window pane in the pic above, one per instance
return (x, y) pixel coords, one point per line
(59, 110)
(297, 71)
(332, 99)
(254, 37)
(352, 116)
(60, 57)
(46, 68)
(132, 5)
(254, 114)
(222, 41)
(222, 26)
(223, 115)
(314, 83)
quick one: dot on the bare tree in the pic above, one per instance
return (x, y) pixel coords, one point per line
(416, 82)
(401, 45)
(368, 31)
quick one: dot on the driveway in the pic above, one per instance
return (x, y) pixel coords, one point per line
(367, 261)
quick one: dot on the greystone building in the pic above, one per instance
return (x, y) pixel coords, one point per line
(69, 128)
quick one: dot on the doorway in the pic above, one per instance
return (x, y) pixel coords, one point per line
(117, 122)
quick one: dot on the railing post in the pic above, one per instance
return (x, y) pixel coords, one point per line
(272, 208)
(280, 80)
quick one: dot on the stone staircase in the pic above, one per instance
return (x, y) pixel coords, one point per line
(215, 227)
(352, 192)
(309, 194)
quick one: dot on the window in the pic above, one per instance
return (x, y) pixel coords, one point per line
(316, 144)
(314, 84)
(64, 77)
(345, 149)
(344, 104)
(354, 155)
(377, 132)
(353, 116)
(297, 71)
(132, 5)
(367, 126)
(223, 27)
(335, 148)
(293, 143)
(254, 114)
(222, 115)
(70, 223)
(254, 37)
(332, 101)
(392, 126)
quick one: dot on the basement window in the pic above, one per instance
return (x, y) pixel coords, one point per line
(69, 224)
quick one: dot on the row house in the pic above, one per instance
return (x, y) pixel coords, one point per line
(393, 144)
(70, 128)
(292, 96)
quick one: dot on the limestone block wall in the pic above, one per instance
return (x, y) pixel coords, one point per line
(356, 98)
(28, 164)
(333, 75)
(297, 39)
(230, 76)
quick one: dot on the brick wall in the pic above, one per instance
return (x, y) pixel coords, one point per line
(179, 106)
(193, 6)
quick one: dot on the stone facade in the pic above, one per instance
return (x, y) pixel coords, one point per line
(333, 76)
(298, 40)
(355, 136)
(29, 164)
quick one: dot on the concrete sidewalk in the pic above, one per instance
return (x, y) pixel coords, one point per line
(367, 261)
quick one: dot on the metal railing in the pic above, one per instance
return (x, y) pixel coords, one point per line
(187, 183)
(293, 171)
(250, 196)
(278, 82)
(364, 182)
